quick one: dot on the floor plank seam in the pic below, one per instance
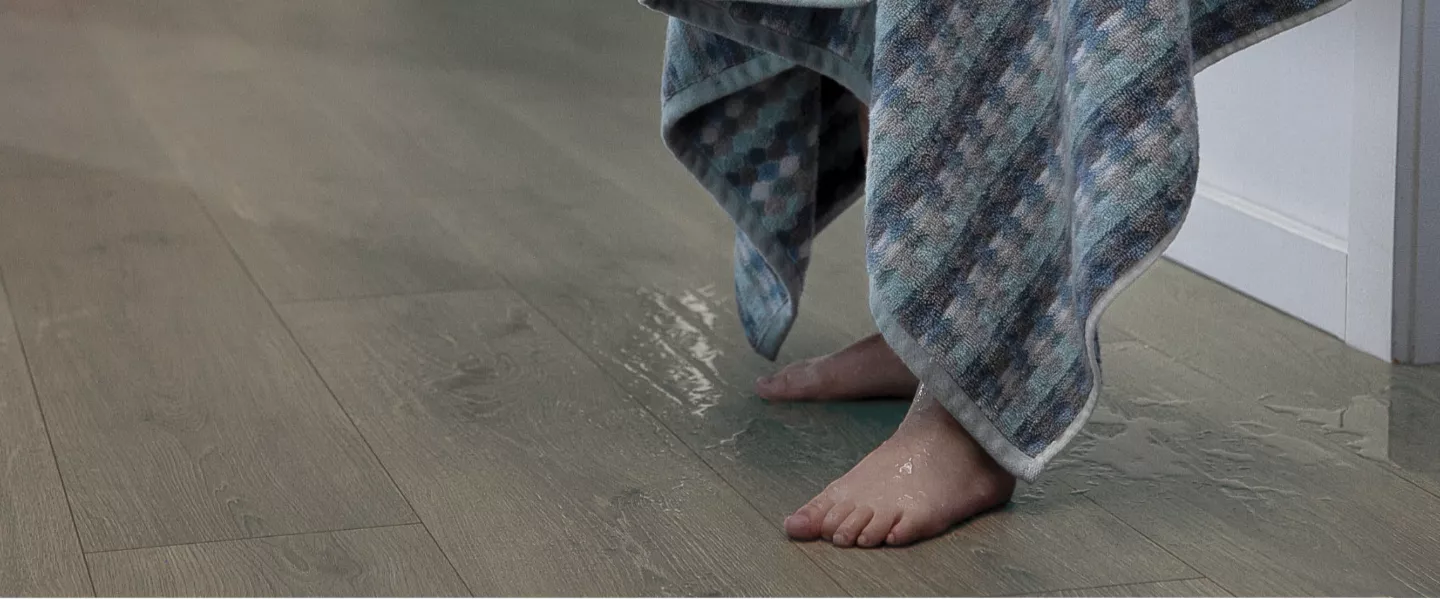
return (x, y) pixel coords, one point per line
(507, 284)
(1117, 586)
(661, 423)
(310, 363)
(395, 295)
(1202, 574)
(1223, 384)
(255, 538)
(290, 334)
(1157, 544)
(45, 425)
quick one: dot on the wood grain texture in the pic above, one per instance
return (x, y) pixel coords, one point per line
(370, 147)
(696, 379)
(60, 100)
(311, 212)
(1377, 410)
(179, 407)
(633, 263)
(654, 312)
(1249, 497)
(535, 474)
(1197, 587)
(39, 554)
(397, 561)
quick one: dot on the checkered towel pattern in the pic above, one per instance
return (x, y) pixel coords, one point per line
(1027, 160)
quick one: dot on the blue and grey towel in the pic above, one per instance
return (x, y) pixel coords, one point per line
(1028, 159)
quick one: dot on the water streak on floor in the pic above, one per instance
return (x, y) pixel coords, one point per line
(672, 348)
(1365, 423)
(324, 298)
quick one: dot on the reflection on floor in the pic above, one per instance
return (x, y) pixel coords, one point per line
(398, 297)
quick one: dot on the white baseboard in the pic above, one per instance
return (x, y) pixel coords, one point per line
(1291, 266)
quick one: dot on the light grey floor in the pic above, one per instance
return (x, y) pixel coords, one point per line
(395, 297)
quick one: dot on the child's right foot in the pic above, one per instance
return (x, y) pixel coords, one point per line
(927, 478)
(867, 369)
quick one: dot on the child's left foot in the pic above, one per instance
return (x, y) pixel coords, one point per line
(928, 477)
(866, 369)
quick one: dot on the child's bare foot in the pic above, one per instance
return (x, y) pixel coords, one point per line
(869, 368)
(929, 476)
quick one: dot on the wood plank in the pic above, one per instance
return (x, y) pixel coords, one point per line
(1379, 411)
(696, 379)
(1218, 331)
(40, 555)
(59, 101)
(1247, 496)
(1195, 587)
(179, 407)
(377, 562)
(535, 474)
(40, 41)
(612, 247)
(312, 213)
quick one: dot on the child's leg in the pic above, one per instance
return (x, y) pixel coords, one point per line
(926, 478)
(867, 369)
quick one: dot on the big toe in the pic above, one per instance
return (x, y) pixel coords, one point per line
(794, 382)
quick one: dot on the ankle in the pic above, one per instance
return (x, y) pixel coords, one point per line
(927, 413)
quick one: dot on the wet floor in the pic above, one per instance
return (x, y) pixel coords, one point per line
(386, 297)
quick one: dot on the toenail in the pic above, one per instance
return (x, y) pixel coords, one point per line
(864, 540)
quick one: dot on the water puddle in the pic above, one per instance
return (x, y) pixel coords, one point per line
(1287, 446)
(734, 439)
(1366, 422)
(1136, 450)
(1119, 448)
(672, 350)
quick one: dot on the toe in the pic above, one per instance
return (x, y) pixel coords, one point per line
(904, 532)
(793, 382)
(878, 529)
(915, 526)
(849, 530)
(804, 524)
(834, 519)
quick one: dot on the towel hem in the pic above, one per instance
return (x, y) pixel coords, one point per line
(969, 413)
(1265, 33)
(784, 53)
(964, 409)
(768, 338)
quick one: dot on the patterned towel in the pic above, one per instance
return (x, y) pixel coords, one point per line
(1028, 160)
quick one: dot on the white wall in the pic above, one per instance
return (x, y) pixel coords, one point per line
(1275, 126)
(1297, 177)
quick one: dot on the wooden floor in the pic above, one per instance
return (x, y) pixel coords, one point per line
(389, 297)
